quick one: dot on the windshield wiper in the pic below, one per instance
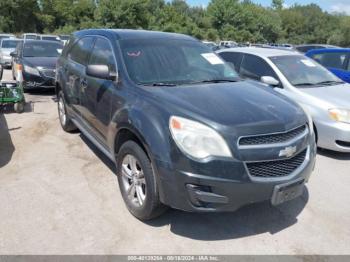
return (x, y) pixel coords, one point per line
(159, 84)
(304, 84)
(215, 81)
(330, 82)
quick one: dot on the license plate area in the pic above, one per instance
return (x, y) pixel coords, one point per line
(286, 192)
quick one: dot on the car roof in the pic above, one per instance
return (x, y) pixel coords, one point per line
(264, 52)
(328, 50)
(11, 39)
(132, 34)
(325, 45)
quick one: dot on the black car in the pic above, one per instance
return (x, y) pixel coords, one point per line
(182, 128)
(35, 62)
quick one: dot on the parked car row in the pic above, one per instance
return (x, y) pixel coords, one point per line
(34, 36)
(187, 127)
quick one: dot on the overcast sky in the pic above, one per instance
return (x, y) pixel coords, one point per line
(328, 5)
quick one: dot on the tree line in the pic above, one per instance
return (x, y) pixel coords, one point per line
(241, 21)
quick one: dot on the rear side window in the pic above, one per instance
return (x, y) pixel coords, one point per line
(102, 54)
(80, 51)
(232, 58)
(255, 67)
(333, 60)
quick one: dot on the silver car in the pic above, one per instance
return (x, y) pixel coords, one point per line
(323, 95)
(7, 46)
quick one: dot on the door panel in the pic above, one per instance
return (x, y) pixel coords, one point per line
(75, 72)
(96, 97)
(75, 69)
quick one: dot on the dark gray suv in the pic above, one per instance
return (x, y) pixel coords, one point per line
(182, 128)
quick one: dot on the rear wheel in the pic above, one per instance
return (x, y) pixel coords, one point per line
(63, 116)
(137, 182)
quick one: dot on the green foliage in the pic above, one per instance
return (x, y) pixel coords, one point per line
(19, 16)
(277, 4)
(238, 20)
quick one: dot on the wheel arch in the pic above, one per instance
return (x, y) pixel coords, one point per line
(147, 129)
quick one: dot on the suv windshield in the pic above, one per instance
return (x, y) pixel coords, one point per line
(9, 43)
(173, 62)
(302, 71)
(42, 49)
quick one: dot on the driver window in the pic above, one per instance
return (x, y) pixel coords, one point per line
(102, 54)
(255, 67)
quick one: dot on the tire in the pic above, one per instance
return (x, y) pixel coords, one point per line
(135, 168)
(64, 118)
(19, 107)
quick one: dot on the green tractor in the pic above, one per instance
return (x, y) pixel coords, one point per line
(11, 93)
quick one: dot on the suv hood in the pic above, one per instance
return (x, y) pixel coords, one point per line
(334, 96)
(46, 62)
(243, 107)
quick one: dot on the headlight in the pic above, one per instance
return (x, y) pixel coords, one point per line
(31, 70)
(340, 115)
(197, 140)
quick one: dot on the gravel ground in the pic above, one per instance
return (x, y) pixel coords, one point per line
(59, 195)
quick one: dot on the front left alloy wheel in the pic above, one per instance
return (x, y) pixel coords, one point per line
(137, 182)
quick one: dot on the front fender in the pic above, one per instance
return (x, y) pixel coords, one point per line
(149, 125)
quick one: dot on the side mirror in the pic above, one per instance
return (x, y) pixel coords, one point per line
(13, 54)
(100, 71)
(269, 80)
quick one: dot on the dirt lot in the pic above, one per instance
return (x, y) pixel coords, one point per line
(59, 195)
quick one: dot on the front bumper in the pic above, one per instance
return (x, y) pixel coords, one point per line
(35, 82)
(333, 135)
(225, 186)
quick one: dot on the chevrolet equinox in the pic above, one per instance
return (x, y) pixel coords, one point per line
(182, 128)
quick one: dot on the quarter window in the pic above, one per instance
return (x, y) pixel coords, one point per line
(80, 51)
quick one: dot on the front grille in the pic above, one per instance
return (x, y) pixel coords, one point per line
(272, 138)
(48, 73)
(278, 168)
